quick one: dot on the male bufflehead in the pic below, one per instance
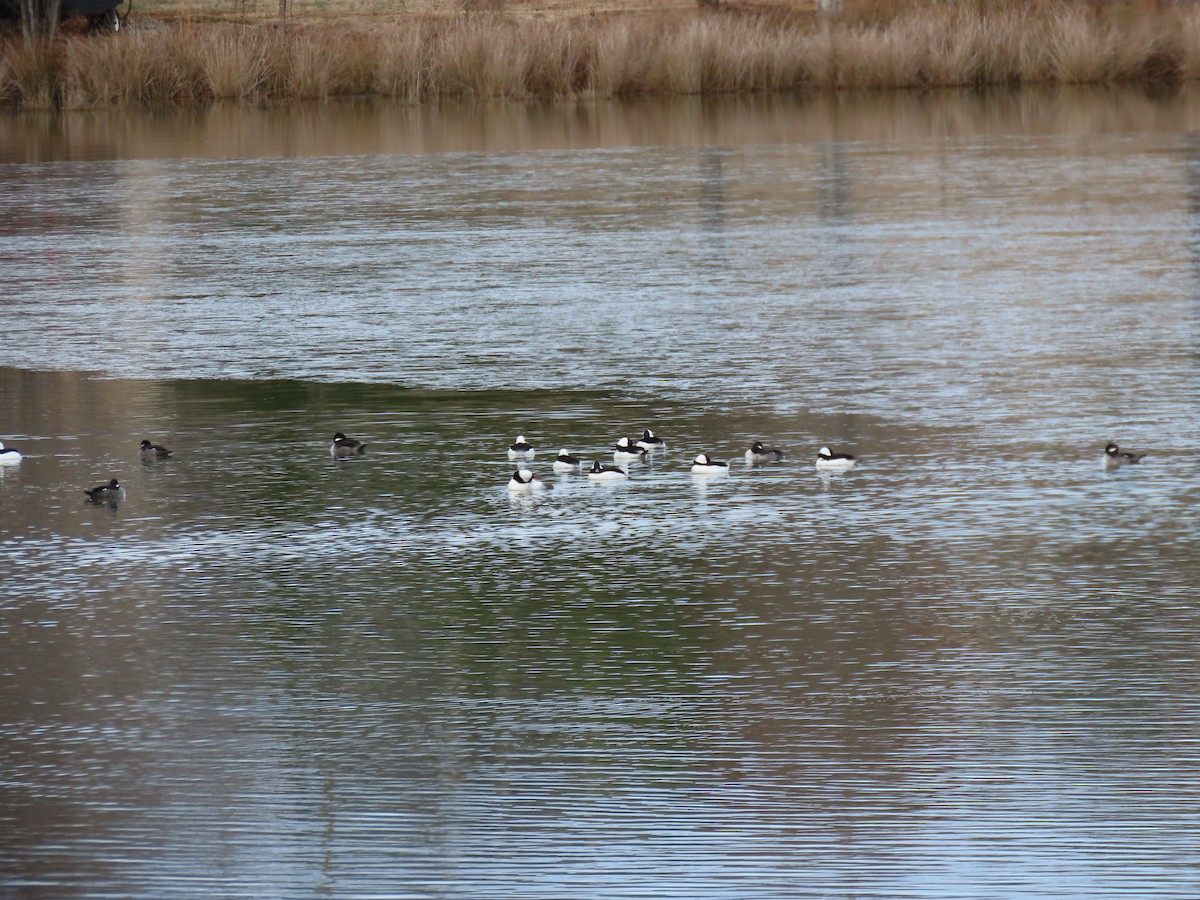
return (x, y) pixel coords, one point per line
(110, 493)
(153, 451)
(521, 449)
(650, 443)
(625, 450)
(9, 455)
(826, 459)
(705, 466)
(344, 447)
(758, 454)
(606, 473)
(1115, 457)
(524, 481)
(566, 462)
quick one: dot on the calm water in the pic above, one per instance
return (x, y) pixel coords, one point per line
(966, 668)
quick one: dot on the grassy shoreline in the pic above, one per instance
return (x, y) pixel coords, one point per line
(751, 48)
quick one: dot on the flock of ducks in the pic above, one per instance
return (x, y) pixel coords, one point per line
(625, 451)
(523, 480)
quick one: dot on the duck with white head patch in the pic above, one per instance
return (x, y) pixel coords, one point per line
(650, 443)
(759, 455)
(625, 451)
(521, 449)
(9, 455)
(524, 482)
(704, 465)
(149, 451)
(565, 462)
(606, 473)
(345, 448)
(1115, 457)
(827, 459)
(106, 493)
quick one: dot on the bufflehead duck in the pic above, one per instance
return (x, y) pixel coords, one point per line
(826, 459)
(523, 481)
(650, 443)
(606, 473)
(626, 450)
(153, 451)
(110, 492)
(344, 447)
(705, 466)
(9, 455)
(1114, 457)
(566, 462)
(521, 449)
(759, 454)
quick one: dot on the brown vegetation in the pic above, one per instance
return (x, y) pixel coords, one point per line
(509, 51)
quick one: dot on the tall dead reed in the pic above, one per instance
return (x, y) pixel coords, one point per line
(883, 43)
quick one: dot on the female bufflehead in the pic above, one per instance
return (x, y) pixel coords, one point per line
(606, 473)
(705, 466)
(650, 443)
(521, 449)
(826, 459)
(9, 455)
(758, 454)
(110, 493)
(566, 462)
(344, 447)
(153, 451)
(625, 450)
(1115, 457)
(524, 481)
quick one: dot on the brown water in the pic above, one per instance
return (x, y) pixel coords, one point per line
(965, 668)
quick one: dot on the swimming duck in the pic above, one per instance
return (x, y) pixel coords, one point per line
(827, 459)
(344, 447)
(705, 466)
(565, 462)
(524, 481)
(1115, 457)
(606, 473)
(626, 451)
(111, 492)
(758, 454)
(153, 451)
(650, 443)
(521, 449)
(9, 455)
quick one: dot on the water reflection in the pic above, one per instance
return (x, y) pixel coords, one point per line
(368, 127)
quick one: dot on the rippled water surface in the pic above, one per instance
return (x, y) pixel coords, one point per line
(965, 668)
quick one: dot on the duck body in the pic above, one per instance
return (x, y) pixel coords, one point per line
(106, 493)
(150, 451)
(1115, 457)
(703, 465)
(9, 455)
(344, 447)
(624, 450)
(757, 455)
(606, 473)
(565, 462)
(650, 443)
(521, 449)
(525, 482)
(827, 459)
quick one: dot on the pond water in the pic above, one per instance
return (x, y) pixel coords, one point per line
(965, 668)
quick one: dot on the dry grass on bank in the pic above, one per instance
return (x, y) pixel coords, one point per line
(749, 48)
